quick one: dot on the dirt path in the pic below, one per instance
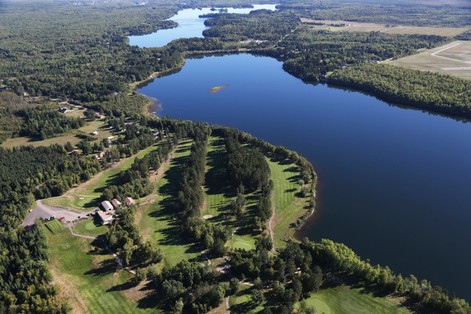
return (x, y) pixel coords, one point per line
(226, 301)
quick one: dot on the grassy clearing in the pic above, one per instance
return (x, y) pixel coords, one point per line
(88, 128)
(348, 300)
(289, 206)
(453, 59)
(86, 277)
(349, 26)
(87, 194)
(159, 222)
(90, 227)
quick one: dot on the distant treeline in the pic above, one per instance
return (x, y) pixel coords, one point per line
(427, 90)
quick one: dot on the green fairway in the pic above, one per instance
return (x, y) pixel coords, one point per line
(347, 300)
(159, 222)
(289, 207)
(87, 277)
(87, 194)
(89, 228)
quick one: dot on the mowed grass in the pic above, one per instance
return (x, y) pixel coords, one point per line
(241, 302)
(350, 26)
(90, 227)
(219, 195)
(453, 59)
(86, 277)
(289, 206)
(159, 220)
(346, 300)
(218, 191)
(87, 194)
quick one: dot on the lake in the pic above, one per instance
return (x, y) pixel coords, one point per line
(189, 25)
(394, 183)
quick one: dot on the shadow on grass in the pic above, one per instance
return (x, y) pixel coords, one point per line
(107, 266)
(216, 179)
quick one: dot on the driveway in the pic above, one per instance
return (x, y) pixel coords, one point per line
(45, 211)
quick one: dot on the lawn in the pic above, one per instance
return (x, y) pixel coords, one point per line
(90, 227)
(86, 277)
(347, 300)
(87, 194)
(289, 207)
(159, 222)
(242, 302)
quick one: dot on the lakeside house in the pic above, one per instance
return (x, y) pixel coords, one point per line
(129, 201)
(106, 205)
(105, 217)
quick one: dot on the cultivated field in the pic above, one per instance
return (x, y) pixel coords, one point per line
(452, 59)
(348, 26)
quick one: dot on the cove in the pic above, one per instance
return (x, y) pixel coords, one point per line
(394, 183)
(189, 25)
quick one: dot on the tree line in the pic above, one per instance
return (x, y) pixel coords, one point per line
(426, 90)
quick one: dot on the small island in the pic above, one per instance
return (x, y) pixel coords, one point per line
(216, 89)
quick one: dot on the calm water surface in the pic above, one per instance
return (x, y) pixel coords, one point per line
(189, 25)
(394, 183)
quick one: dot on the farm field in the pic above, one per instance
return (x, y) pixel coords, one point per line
(87, 277)
(453, 59)
(87, 194)
(349, 26)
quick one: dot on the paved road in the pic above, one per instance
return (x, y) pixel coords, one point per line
(45, 211)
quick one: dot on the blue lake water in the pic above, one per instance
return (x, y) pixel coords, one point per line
(189, 25)
(394, 183)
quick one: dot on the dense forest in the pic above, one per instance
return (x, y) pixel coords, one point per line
(430, 91)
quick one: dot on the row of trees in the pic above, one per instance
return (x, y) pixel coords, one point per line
(427, 90)
(189, 287)
(124, 238)
(338, 258)
(134, 181)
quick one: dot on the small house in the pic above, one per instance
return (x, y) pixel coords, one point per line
(106, 205)
(116, 203)
(105, 217)
(129, 201)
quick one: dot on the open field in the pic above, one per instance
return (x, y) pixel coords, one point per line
(88, 128)
(289, 206)
(344, 299)
(452, 59)
(158, 221)
(348, 26)
(87, 194)
(87, 277)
